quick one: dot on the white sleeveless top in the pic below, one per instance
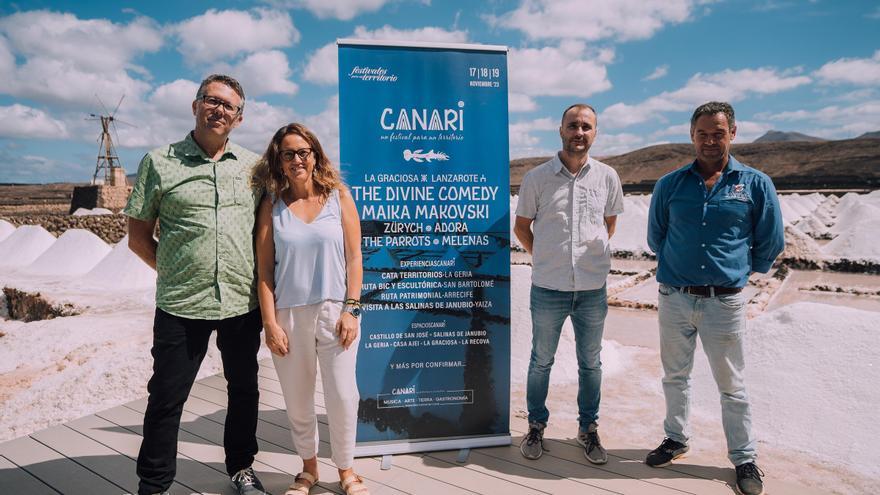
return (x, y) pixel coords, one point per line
(309, 257)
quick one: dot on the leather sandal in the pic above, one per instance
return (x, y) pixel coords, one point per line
(302, 483)
(354, 485)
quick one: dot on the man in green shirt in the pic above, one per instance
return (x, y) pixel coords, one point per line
(199, 192)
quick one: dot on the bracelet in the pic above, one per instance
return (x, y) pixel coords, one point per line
(352, 302)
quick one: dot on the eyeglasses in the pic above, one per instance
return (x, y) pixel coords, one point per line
(302, 153)
(214, 102)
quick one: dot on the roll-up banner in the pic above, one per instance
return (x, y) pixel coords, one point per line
(424, 148)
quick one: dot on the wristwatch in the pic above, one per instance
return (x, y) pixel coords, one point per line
(353, 310)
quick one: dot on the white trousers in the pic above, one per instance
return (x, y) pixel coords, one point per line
(312, 341)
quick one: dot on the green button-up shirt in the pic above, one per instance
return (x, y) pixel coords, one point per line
(206, 211)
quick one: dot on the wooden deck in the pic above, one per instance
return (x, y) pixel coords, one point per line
(96, 455)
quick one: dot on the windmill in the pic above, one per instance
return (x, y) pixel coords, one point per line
(108, 160)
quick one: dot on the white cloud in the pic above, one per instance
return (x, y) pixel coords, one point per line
(344, 10)
(94, 57)
(89, 44)
(219, 35)
(262, 73)
(658, 73)
(19, 121)
(523, 143)
(565, 70)
(323, 65)
(325, 125)
(861, 71)
(616, 144)
(836, 121)
(518, 102)
(595, 20)
(728, 85)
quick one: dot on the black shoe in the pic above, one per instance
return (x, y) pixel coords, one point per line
(532, 445)
(589, 440)
(667, 452)
(748, 479)
(246, 482)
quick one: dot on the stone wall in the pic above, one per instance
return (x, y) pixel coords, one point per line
(110, 228)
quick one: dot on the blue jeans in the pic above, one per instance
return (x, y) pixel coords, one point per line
(550, 308)
(720, 323)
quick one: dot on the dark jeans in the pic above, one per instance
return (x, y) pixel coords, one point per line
(179, 345)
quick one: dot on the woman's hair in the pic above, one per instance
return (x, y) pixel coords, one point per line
(268, 175)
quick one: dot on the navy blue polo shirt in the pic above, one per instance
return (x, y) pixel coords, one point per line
(714, 237)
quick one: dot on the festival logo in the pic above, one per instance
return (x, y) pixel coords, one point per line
(420, 156)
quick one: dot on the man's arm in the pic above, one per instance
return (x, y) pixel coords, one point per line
(658, 220)
(768, 235)
(522, 227)
(610, 224)
(141, 241)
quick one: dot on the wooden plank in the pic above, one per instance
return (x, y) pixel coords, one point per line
(14, 479)
(276, 436)
(121, 440)
(199, 470)
(53, 469)
(95, 456)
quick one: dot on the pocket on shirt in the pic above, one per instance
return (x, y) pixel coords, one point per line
(241, 191)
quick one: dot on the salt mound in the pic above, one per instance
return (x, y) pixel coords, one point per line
(799, 245)
(810, 364)
(6, 229)
(631, 231)
(80, 212)
(24, 245)
(74, 253)
(852, 215)
(121, 269)
(858, 242)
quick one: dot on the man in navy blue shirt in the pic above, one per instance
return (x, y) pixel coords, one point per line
(711, 223)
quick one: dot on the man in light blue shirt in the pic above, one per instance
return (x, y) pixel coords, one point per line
(566, 213)
(711, 223)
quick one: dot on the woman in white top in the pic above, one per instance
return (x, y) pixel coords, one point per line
(308, 243)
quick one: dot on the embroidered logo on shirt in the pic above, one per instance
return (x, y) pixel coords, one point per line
(737, 192)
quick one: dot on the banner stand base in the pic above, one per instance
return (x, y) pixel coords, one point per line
(409, 447)
(386, 462)
(463, 455)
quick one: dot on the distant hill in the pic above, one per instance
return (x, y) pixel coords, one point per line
(845, 164)
(870, 135)
(779, 136)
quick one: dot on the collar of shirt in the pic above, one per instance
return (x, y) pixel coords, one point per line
(560, 168)
(190, 149)
(733, 165)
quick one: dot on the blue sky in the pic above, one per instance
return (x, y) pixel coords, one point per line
(811, 66)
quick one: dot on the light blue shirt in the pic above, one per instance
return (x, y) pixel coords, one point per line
(715, 237)
(309, 257)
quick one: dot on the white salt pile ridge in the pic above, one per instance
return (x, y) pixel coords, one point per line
(793, 208)
(121, 269)
(858, 242)
(74, 253)
(24, 245)
(631, 230)
(6, 229)
(799, 245)
(811, 377)
(852, 214)
(81, 212)
(514, 242)
(812, 225)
